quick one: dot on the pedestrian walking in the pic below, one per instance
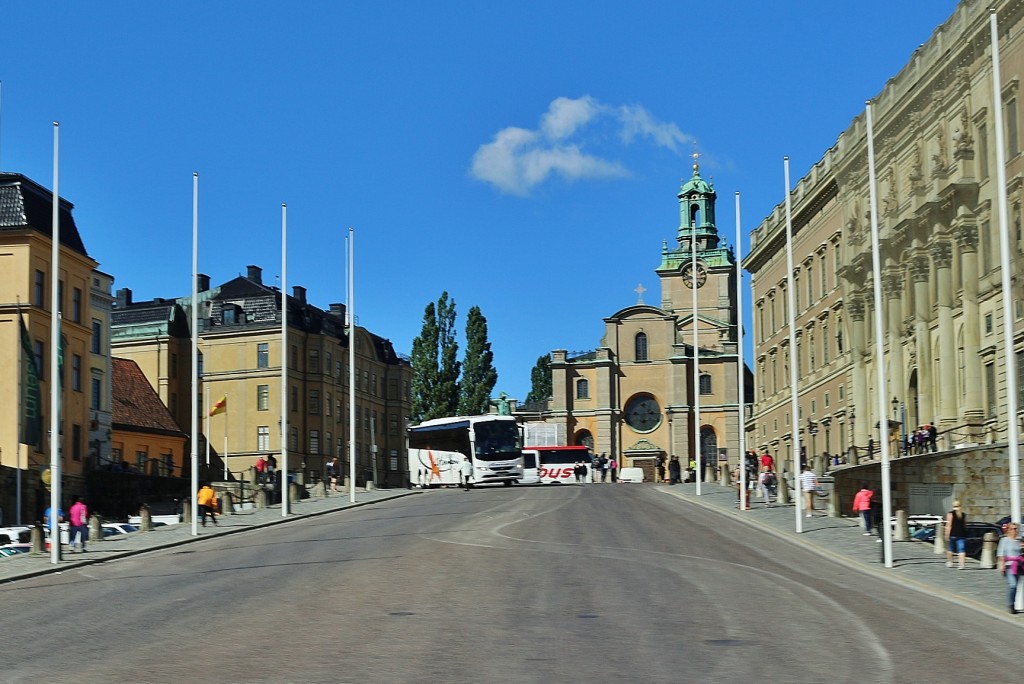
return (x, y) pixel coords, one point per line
(1008, 556)
(809, 485)
(862, 506)
(956, 535)
(767, 482)
(604, 468)
(675, 471)
(613, 468)
(206, 502)
(261, 468)
(466, 469)
(660, 468)
(767, 462)
(79, 524)
(933, 437)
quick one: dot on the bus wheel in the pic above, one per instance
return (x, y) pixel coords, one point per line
(508, 483)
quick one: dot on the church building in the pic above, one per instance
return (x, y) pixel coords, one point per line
(633, 397)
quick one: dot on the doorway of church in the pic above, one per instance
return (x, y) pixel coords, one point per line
(649, 466)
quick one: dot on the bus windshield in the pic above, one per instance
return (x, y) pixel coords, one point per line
(496, 440)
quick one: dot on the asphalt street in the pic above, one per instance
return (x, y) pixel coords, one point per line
(574, 583)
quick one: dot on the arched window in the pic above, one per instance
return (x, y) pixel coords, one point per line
(705, 384)
(640, 343)
(582, 388)
(708, 446)
(584, 438)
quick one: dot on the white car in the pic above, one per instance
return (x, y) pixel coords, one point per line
(916, 522)
(15, 535)
(111, 529)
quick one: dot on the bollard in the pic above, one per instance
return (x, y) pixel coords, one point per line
(833, 504)
(370, 485)
(902, 531)
(146, 519)
(36, 537)
(261, 498)
(723, 476)
(186, 511)
(293, 492)
(95, 528)
(988, 551)
(227, 502)
(940, 538)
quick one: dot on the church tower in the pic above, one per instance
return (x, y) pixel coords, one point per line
(715, 263)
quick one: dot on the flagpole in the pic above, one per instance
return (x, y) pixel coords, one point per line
(876, 278)
(194, 447)
(284, 360)
(206, 433)
(350, 312)
(21, 417)
(1013, 437)
(793, 358)
(1013, 445)
(55, 474)
(225, 448)
(696, 354)
(740, 387)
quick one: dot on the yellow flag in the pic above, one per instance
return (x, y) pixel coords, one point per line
(220, 407)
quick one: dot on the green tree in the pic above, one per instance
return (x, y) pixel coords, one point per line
(478, 373)
(447, 396)
(424, 367)
(540, 381)
(435, 365)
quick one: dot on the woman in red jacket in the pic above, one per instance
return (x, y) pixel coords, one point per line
(862, 505)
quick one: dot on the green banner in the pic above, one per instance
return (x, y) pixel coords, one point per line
(31, 416)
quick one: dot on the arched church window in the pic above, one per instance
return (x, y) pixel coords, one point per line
(708, 445)
(640, 344)
(584, 438)
(582, 388)
(705, 384)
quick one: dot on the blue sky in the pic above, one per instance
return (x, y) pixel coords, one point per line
(523, 156)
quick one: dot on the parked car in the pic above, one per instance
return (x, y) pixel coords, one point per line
(14, 549)
(916, 522)
(975, 536)
(118, 528)
(15, 535)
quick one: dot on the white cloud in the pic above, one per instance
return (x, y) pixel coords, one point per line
(520, 159)
(638, 122)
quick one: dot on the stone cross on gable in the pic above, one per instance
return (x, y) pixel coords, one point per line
(640, 289)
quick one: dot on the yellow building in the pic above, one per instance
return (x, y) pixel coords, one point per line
(25, 262)
(240, 345)
(632, 398)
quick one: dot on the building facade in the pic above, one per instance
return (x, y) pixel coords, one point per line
(633, 397)
(26, 229)
(938, 229)
(241, 357)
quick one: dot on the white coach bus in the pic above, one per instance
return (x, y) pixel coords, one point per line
(492, 443)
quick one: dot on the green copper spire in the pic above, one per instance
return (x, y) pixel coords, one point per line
(696, 221)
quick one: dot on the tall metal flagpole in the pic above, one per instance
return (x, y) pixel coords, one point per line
(1013, 437)
(285, 489)
(696, 352)
(350, 313)
(195, 353)
(794, 407)
(876, 278)
(1013, 446)
(55, 384)
(740, 405)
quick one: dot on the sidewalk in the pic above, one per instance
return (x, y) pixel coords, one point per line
(915, 564)
(31, 565)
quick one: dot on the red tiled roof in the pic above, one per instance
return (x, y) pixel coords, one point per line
(136, 405)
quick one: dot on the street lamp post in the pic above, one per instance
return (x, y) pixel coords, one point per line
(853, 437)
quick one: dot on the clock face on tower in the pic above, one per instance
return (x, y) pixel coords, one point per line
(643, 413)
(702, 275)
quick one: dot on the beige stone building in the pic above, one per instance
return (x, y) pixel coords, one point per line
(941, 305)
(632, 397)
(240, 361)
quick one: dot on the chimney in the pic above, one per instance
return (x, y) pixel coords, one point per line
(124, 298)
(255, 274)
(203, 282)
(299, 293)
(338, 310)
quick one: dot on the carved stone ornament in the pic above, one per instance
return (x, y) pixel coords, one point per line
(962, 137)
(939, 159)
